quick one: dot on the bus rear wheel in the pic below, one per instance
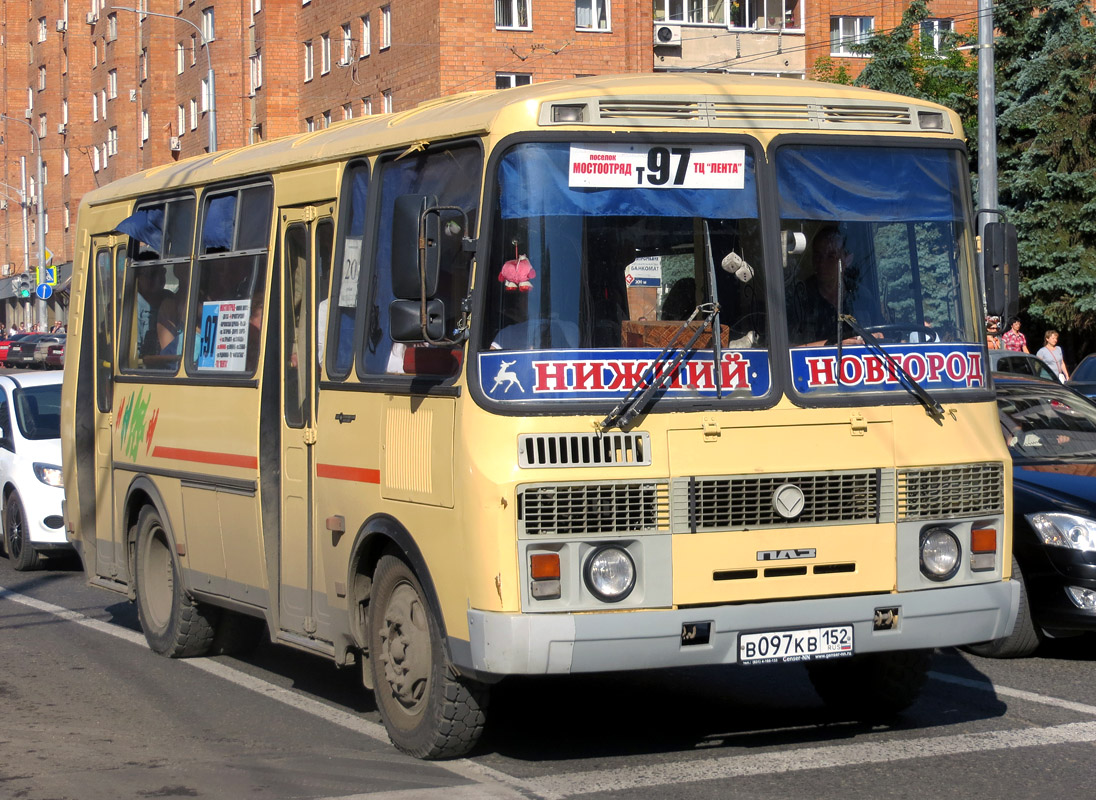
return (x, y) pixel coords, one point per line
(874, 685)
(174, 624)
(428, 709)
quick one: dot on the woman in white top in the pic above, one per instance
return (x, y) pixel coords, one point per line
(1051, 353)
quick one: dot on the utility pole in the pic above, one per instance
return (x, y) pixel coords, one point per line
(987, 115)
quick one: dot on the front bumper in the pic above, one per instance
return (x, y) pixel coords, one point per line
(542, 644)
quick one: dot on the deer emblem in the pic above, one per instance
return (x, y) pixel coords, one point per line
(507, 376)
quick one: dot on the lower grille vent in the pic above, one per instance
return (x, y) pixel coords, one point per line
(593, 509)
(965, 490)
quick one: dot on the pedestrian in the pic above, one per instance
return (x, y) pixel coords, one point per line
(1051, 353)
(1012, 339)
(993, 332)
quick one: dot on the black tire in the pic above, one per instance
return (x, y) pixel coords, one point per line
(21, 552)
(174, 624)
(1025, 637)
(429, 711)
(873, 685)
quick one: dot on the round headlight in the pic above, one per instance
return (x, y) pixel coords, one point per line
(940, 553)
(610, 573)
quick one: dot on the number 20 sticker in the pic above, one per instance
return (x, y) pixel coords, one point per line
(658, 167)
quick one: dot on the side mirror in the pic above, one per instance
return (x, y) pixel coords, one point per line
(1001, 270)
(416, 246)
(406, 323)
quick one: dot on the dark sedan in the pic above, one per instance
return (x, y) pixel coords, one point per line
(1083, 377)
(1051, 433)
(5, 343)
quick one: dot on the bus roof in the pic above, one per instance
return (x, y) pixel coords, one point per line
(688, 101)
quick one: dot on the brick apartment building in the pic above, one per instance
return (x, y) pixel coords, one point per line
(106, 90)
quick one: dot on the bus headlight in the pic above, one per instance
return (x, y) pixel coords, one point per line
(610, 573)
(940, 553)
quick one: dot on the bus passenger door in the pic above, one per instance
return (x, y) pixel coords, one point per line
(109, 261)
(302, 607)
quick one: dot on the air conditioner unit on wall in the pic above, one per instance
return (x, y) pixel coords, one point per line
(62, 25)
(667, 35)
(3, 207)
(175, 144)
(62, 129)
(28, 113)
(92, 17)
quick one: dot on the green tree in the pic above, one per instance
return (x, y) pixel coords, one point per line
(1046, 113)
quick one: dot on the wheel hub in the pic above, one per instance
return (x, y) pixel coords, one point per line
(405, 648)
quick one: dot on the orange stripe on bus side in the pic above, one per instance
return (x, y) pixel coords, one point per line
(206, 457)
(348, 473)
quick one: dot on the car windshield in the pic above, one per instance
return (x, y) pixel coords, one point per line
(38, 411)
(1022, 364)
(1086, 370)
(1043, 422)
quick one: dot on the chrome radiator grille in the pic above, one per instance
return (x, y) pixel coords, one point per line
(746, 501)
(958, 491)
(593, 508)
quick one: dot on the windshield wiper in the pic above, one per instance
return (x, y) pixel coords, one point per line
(932, 406)
(658, 374)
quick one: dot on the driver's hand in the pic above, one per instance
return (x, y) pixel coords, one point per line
(860, 339)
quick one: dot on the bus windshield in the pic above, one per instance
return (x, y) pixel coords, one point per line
(878, 234)
(611, 246)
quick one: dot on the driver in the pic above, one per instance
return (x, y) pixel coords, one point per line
(812, 313)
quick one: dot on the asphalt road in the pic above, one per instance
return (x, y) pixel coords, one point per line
(87, 712)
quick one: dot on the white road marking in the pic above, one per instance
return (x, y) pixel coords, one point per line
(491, 783)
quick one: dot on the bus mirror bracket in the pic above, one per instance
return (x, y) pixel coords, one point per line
(1001, 270)
(416, 247)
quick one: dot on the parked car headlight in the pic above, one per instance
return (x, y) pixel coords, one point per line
(1065, 530)
(49, 474)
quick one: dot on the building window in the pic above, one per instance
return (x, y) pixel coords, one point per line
(308, 61)
(65, 217)
(367, 42)
(180, 59)
(513, 14)
(64, 61)
(193, 114)
(203, 96)
(94, 54)
(386, 96)
(41, 78)
(256, 70)
(348, 111)
(144, 64)
(845, 32)
(325, 54)
(64, 162)
(180, 119)
(592, 15)
(95, 159)
(309, 124)
(207, 25)
(347, 45)
(934, 32)
(43, 29)
(112, 142)
(103, 101)
(94, 107)
(256, 135)
(64, 111)
(367, 106)
(746, 14)
(508, 80)
(327, 118)
(112, 84)
(193, 49)
(41, 125)
(112, 27)
(144, 126)
(386, 27)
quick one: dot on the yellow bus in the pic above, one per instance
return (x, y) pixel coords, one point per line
(614, 373)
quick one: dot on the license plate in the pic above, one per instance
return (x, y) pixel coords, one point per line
(802, 645)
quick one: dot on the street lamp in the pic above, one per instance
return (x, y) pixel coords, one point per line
(209, 67)
(41, 206)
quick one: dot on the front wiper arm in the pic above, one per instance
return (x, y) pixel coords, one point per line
(633, 403)
(931, 404)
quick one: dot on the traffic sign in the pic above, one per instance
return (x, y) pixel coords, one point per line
(48, 256)
(44, 291)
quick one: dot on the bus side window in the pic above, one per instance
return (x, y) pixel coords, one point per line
(337, 326)
(452, 174)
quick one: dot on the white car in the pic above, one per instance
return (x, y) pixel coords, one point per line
(31, 488)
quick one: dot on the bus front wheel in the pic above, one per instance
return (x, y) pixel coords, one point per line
(873, 685)
(428, 709)
(175, 625)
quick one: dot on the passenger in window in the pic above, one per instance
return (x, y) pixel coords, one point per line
(172, 312)
(254, 332)
(150, 288)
